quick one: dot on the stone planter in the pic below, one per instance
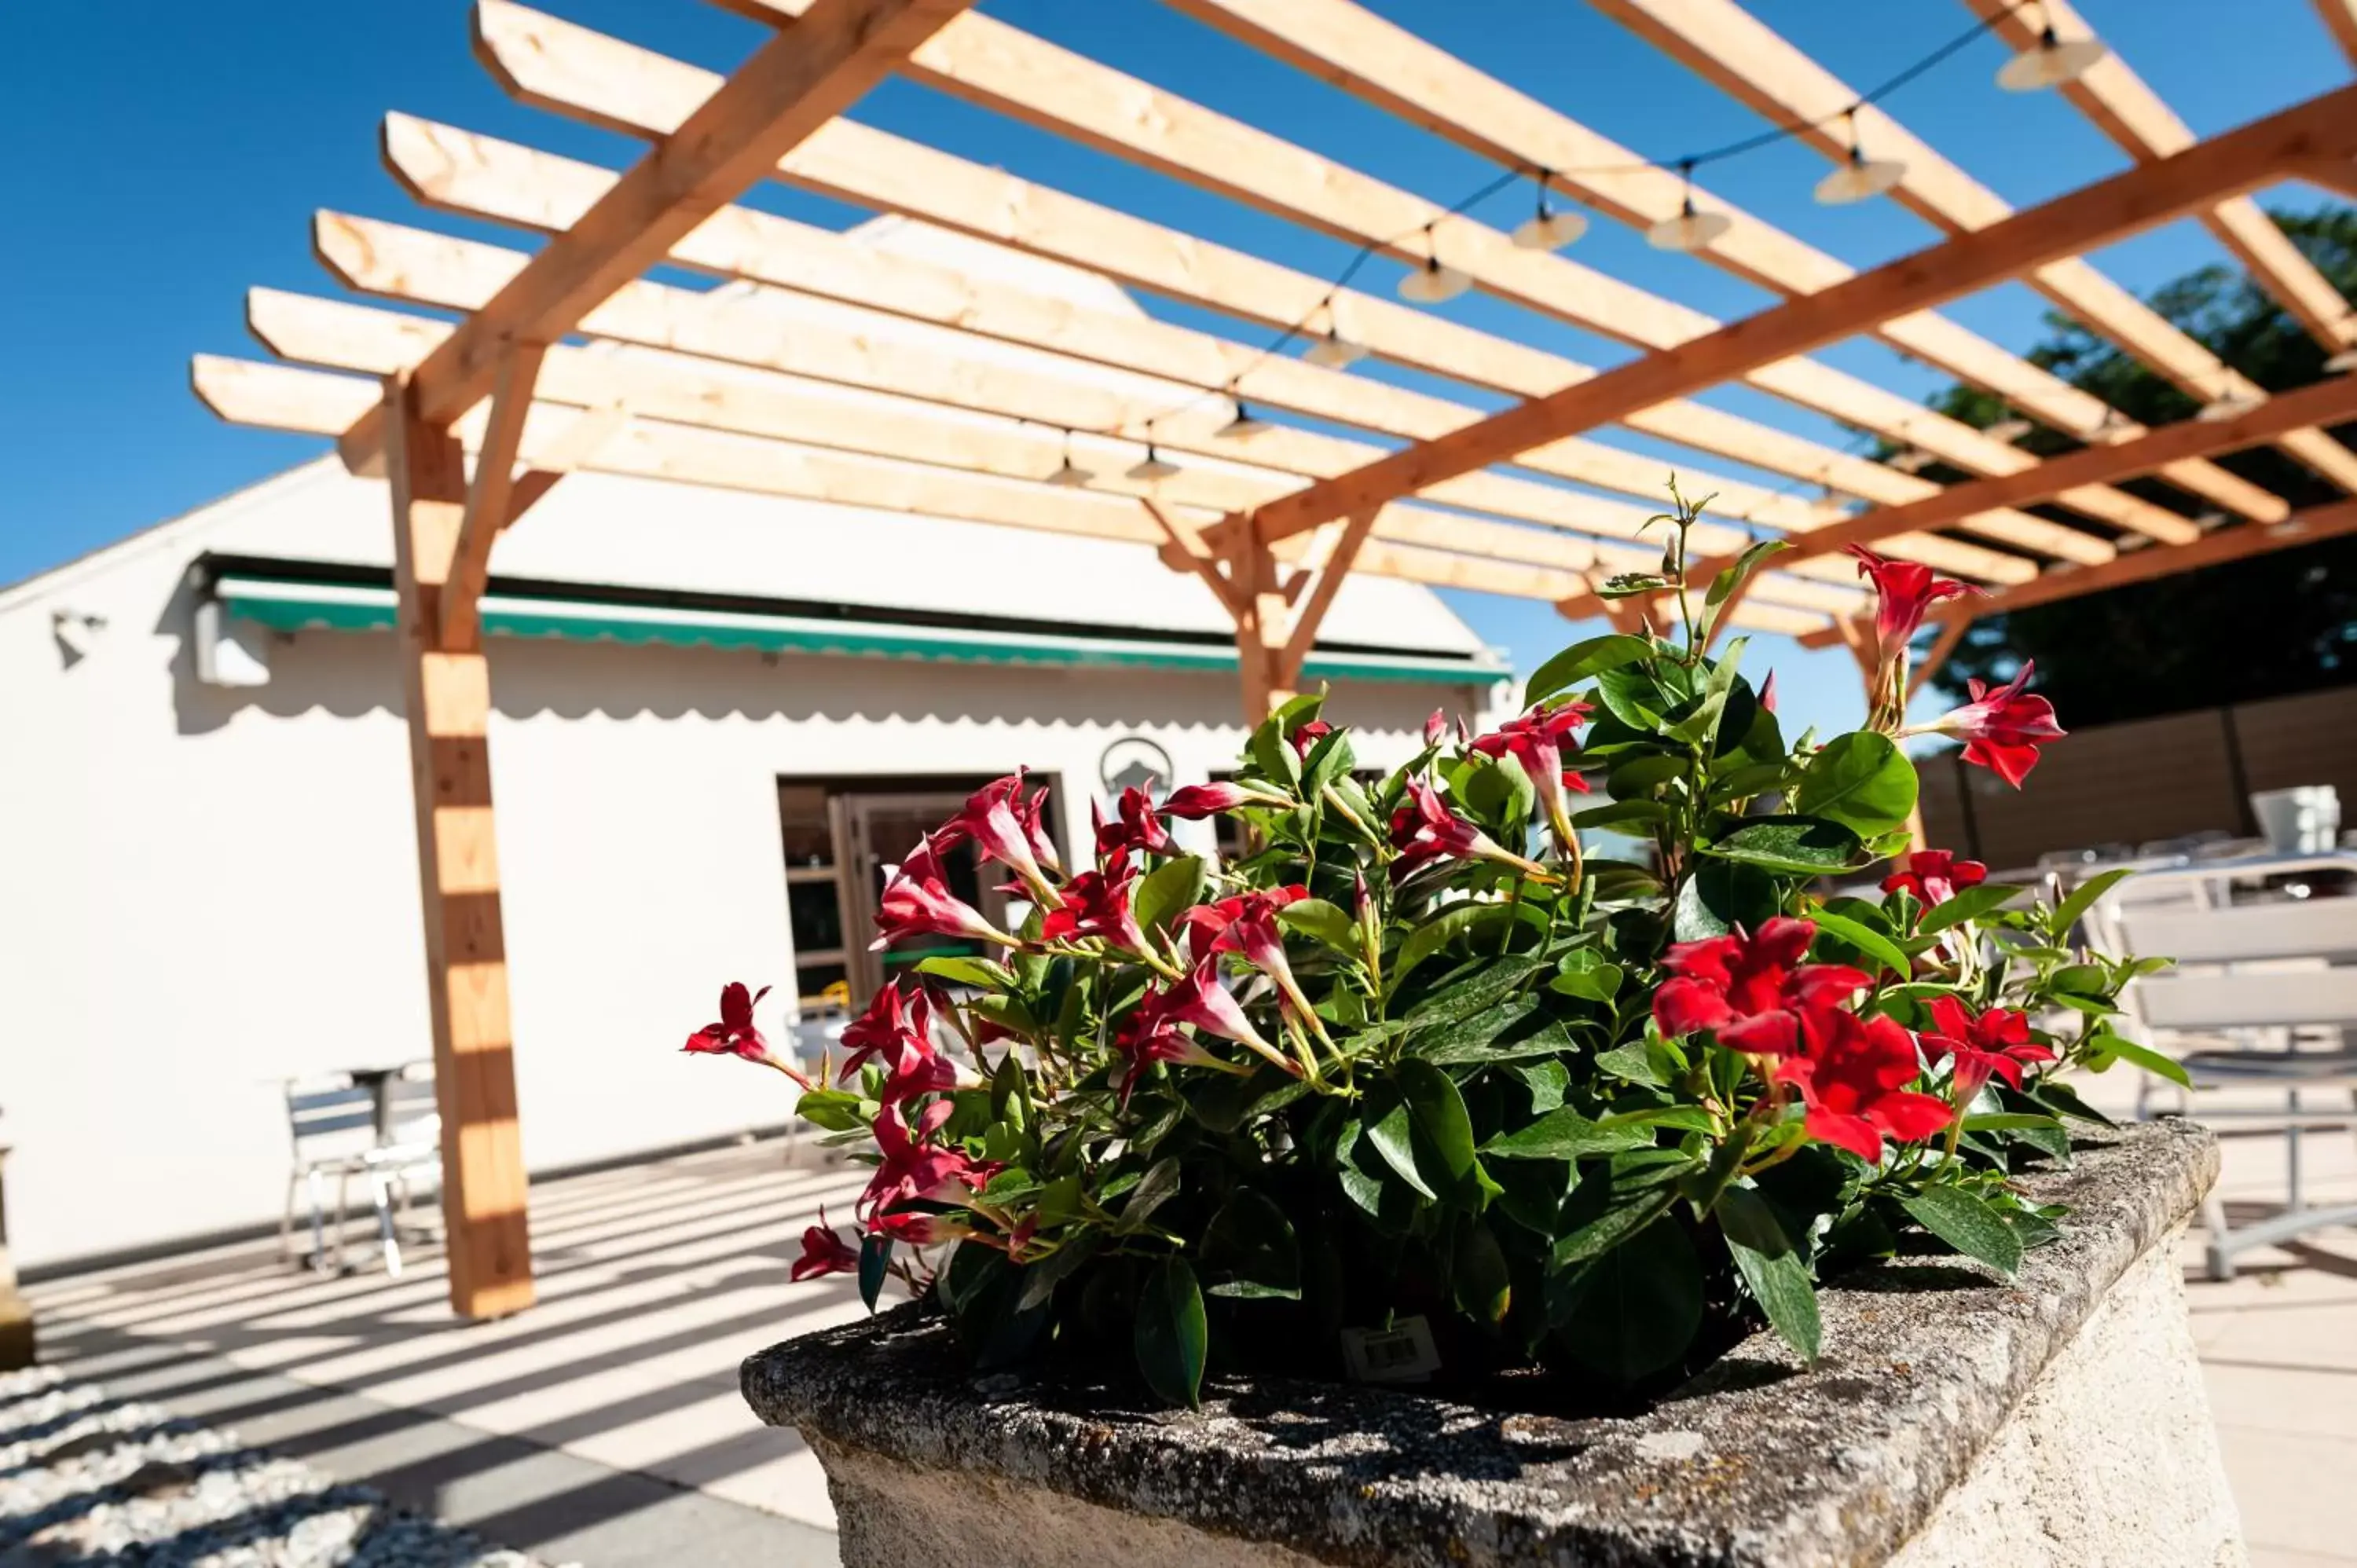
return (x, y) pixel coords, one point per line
(2059, 1420)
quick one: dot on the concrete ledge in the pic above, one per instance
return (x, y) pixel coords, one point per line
(1934, 1367)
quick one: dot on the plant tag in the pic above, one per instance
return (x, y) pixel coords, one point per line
(1403, 1353)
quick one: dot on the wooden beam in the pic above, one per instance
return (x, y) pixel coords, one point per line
(556, 65)
(682, 389)
(2134, 117)
(1194, 556)
(1727, 46)
(2339, 175)
(794, 84)
(1339, 41)
(2310, 526)
(1340, 552)
(2109, 209)
(489, 498)
(2340, 17)
(448, 696)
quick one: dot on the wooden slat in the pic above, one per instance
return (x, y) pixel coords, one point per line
(2109, 209)
(812, 342)
(572, 70)
(1341, 42)
(482, 177)
(447, 699)
(794, 84)
(2134, 117)
(1070, 95)
(314, 403)
(488, 497)
(2340, 18)
(2311, 526)
(1727, 46)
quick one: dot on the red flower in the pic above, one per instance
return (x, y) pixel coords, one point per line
(2002, 728)
(1425, 830)
(1196, 801)
(917, 901)
(1996, 1043)
(897, 1031)
(1206, 923)
(1005, 828)
(1306, 735)
(1768, 692)
(1148, 1035)
(1134, 827)
(1201, 1000)
(1537, 740)
(1096, 904)
(824, 1252)
(736, 1034)
(917, 1227)
(1750, 989)
(1907, 591)
(1436, 728)
(1854, 1079)
(1933, 876)
(914, 1168)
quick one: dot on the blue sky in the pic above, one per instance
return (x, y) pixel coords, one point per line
(170, 157)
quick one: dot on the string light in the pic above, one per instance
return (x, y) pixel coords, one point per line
(1547, 229)
(1154, 464)
(2229, 406)
(1331, 350)
(1433, 283)
(1859, 176)
(2343, 362)
(1070, 476)
(1244, 426)
(2050, 62)
(1913, 460)
(1689, 231)
(2009, 429)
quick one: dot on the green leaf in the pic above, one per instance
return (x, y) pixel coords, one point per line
(875, 1266)
(1967, 1224)
(1703, 722)
(1772, 1267)
(1865, 939)
(1444, 1129)
(1633, 697)
(2110, 1047)
(1547, 1080)
(1156, 1187)
(1040, 1279)
(1587, 974)
(1432, 936)
(977, 972)
(1684, 1118)
(1166, 891)
(1273, 753)
(1969, 903)
(1323, 922)
(1471, 1040)
(1390, 1126)
(835, 1110)
(1719, 896)
(2008, 1122)
(2083, 898)
(1583, 660)
(1633, 1310)
(1631, 1062)
(1863, 781)
(1480, 1281)
(1170, 1338)
(1799, 845)
(1249, 1249)
(1639, 774)
(1620, 811)
(1564, 1133)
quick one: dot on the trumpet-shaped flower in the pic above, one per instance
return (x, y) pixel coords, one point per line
(1007, 829)
(824, 1252)
(1425, 830)
(1992, 1043)
(1935, 876)
(1537, 741)
(2002, 728)
(1905, 591)
(1096, 904)
(917, 901)
(1133, 826)
(1853, 1078)
(1751, 988)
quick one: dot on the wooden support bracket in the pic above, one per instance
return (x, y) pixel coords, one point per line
(489, 499)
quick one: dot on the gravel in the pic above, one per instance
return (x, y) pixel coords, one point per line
(89, 1481)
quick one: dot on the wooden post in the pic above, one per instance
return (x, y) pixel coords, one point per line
(1263, 622)
(448, 698)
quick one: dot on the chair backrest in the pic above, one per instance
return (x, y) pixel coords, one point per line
(329, 1113)
(414, 1115)
(2246, 999)
(2293, 928)
(2238, 966)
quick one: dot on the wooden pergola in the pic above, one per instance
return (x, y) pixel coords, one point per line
(567, 357)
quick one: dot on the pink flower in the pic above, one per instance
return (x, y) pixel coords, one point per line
(2002, 728)
(1425, 830)
(1306, 735)
(1096, 904)
(917, 901)
(1196, 801)
(1201, 1000)
(1933, 876)
(1750, 990)
(1537, 740)
(1007, 829)
(1854, 1080)
(1768, 692)
(1906, 591)
(914, 1168)
(917, 1227)
(1206, 923)
(736, 1034)
(896, 1032)
(1436, 728)
(1996, 1044)
(1134, 827)
(824, 1252)
(1148, 1035)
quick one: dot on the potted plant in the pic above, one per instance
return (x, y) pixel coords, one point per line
(1419, 1090)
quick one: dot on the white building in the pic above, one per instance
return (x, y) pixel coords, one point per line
(714, 714)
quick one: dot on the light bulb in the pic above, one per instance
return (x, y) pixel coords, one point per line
(2231, 405)
(2050, 62)
(1152, 465)
(1334, 352)
(1433, 283)
(1548, 231)
(2008, 430)
(1914, 459)
(1071, 476)
(1689, 231)
(1245, 423)
(2343, 362)
(1859, 179)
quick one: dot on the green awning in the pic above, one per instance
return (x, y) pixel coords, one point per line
(305, 604)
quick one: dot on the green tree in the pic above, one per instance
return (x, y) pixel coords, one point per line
(2263, 627)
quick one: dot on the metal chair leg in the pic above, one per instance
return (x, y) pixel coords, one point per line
(2217, 1259)
(381, 1190)
(318, 1217)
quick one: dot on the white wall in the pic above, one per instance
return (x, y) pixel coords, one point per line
(203, 891)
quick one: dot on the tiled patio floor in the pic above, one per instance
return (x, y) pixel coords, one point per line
(603, 1426)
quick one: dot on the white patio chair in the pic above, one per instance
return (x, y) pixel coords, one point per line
(343, 1129)
(2261, 1005)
